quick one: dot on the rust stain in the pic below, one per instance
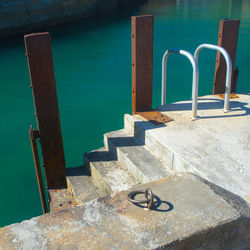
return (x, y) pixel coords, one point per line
(155, 117)
(61, 199)
(232, 96)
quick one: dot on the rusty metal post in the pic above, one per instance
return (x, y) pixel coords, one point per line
(34, 135)
(39, 55)
(227, 38)
(142, 62)
(235, 79)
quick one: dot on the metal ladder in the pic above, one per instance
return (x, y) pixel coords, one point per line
(194, 62)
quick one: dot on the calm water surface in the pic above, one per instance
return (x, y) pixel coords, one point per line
(93, 74)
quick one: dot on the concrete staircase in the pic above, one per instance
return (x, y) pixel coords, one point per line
(198, 171)
(143, 152)
(123, 163)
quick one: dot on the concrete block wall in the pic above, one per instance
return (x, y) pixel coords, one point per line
(20, 16)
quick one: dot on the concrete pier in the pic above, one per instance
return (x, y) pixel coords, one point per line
(216, 146)
(198, 170)
(190, 215)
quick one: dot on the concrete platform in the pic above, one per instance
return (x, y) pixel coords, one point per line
(215, 146)
(189, 214)
(201, 178)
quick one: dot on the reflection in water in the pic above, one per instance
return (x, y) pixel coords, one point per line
(204, 8)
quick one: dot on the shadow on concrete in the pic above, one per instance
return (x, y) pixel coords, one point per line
(77, 171)
(162, 206)
(129, 141)
(98, 156)
(215, 104)
(113, 142)
(141, 127)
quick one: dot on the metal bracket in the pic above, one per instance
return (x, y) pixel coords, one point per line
(232, 96)
(155, 117)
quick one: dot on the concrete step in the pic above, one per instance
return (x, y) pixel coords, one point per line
(189, 213)
(150, 135)
(132, 154)
(108, 174)
(81, 187)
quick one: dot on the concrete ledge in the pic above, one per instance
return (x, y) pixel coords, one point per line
(188, 214)
(216, 146)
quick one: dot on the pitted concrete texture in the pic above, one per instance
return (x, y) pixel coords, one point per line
(81, 187)
(189, 213)
(60, 199)
(216, 146)
(108, 174)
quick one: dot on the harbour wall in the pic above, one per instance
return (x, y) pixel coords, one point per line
(22, 16)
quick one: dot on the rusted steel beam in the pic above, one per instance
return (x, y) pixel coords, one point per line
(34, 134)
(142, 62)
(39, 55)
(228, 39)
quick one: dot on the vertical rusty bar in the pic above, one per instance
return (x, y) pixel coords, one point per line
(39, 55)
(235, 79)
(33, 136)
(142, 62)
(227, 38)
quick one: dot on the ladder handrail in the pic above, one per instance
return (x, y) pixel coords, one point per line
(164, 70)
(228, 76)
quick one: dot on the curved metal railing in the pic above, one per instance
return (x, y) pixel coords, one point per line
(228, 77)
(164, 70)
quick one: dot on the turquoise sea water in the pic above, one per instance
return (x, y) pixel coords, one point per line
(92, 62)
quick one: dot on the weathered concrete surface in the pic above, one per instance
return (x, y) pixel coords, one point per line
(190, 213)
(108, 174)
(81, 187)
(60, 199)
(18, 16)
(139, 161)
(216, 146)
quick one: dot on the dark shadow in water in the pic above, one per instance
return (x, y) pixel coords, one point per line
(84, 23)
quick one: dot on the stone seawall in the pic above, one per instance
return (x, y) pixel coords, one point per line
(20, 16)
